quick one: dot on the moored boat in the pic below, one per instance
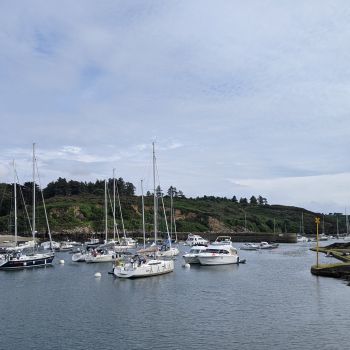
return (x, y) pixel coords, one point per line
(266, 245)
(196, 240)
(249, 246)
(219, 255)
(192, 256)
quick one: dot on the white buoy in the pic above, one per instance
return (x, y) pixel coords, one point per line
(61, 262)
(98, 274)
(187, 266)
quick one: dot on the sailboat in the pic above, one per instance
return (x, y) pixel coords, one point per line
(18, 259)
(102, 254)
(300, 236)
(137, 266)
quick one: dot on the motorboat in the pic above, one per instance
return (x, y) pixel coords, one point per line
(302, 239)
(137, 266)
(192, 256)
(222, 240)
(128, 242)
(66, 246)
(323, 237)
(219, 255)
(249, 246)
(266, 245)
(196, 240)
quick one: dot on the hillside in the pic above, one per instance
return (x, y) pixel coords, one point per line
(84, 214)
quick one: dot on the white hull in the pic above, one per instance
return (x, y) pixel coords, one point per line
(217, 259)
(148, 269)
(100, 258)
(168, 253)
(191, 258)
(78, 257)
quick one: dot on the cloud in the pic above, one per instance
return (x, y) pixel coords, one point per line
(253, 89)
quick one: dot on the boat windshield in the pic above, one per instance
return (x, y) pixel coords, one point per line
(216, 251)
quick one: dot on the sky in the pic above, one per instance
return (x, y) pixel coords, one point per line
(240, 97)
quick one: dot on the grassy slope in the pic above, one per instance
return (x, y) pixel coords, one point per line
(86, 212)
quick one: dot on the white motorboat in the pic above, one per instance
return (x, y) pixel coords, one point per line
(302, 239)
(66, 246)
(266, 245)
(323, 237)
(250, 246)
(219, 255)
(222, 240)
(192, 256)
(128, 242)
(196, 240)
(138, 267)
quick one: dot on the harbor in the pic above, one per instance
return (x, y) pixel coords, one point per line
(237, 306)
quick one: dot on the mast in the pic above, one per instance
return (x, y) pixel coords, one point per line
(154, 196)
(15, 199)
(143, 217)
(106, 214)
(114, 204)
(337, 228)
(346, 222)
(171, 211)
(302, 223)
(323, 224)
(33, 217)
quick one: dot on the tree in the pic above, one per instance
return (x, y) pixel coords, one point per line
(172, 191)
(253, 200)
(180, 194)
(234, 199)
(262, 200)
(243, 200)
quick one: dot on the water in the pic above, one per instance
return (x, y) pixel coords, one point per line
(271, 302)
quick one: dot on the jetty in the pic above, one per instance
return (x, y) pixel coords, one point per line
(340, 251)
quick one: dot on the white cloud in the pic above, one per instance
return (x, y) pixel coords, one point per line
(253, 89)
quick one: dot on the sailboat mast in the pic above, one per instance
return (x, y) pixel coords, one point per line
(114, 205)
(154, 196)
(143, 217)
(302, 223)
(171, 211)
(337, 228)
(106, 208)
(15, 199)
(33, 217)
(323, 224)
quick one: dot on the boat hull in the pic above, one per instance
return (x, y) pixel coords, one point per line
(100, 259)
(27, 262)
(191, 258)
(209, 259)
(145, 270)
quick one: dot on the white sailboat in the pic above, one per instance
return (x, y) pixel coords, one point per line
(99, 255)
(18, 259)
(138, 266)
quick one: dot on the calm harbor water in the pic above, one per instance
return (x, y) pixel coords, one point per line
(271, 302)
